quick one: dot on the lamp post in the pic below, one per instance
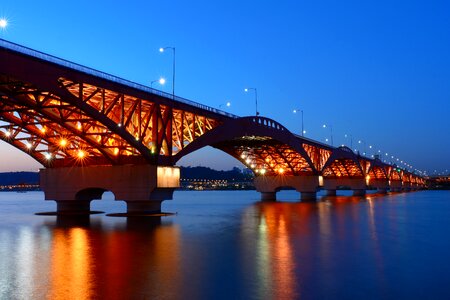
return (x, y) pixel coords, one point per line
(173, 68)
(161, 81)
(364, 142)
(331, 131)
(256, 98)
(296, 111)
(228, 104)
(351, 140)
(3, 23)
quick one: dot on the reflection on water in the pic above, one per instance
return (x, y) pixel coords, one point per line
(226, 245)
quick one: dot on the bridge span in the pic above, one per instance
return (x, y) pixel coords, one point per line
(94, 132)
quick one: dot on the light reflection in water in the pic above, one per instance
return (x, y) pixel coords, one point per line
(91, 262)
(275, 264)
(71, 265)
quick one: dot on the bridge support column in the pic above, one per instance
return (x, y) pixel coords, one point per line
(406, 186)
(69, 206)
(358, 185)
(269, 185)
(395, 186)
(142, 187)
(268, 196)
(381, 184)
(330, 193)
(308, 196)
(359, 192)
(382, 190)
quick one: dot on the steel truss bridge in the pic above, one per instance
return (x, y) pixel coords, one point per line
(95, 132)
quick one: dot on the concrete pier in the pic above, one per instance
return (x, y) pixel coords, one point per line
(142, 187)
(269, 185)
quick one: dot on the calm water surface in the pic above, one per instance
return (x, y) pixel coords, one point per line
(228, 245)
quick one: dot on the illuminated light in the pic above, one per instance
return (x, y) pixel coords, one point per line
(252, 166)
(324, 126)
(247, 161)
(161, 49)
(162, 81)
(280, 170)
(78, 125)
(116, 151)
(48, 156)
(245, 90)
(370, 147)
(137, 138)
(81, 154)
(263, 171)
(257, 171)
(326, 140)
(63, 142)
(243, 156)
(304, 131)
(267, 159)
(3, 23)
(228, 104)
(43, 129)
(28, 145)
(119, 125)
(359, 142)
(7, 133)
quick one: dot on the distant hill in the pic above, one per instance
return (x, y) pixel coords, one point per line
(13, 178)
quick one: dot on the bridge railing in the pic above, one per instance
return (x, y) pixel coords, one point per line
(71, 65)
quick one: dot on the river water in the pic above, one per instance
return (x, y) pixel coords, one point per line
(228, 245)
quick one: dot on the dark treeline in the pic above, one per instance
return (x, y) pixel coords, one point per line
(14, 178)
(235, 174)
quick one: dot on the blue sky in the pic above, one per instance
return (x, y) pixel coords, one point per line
(379, 71)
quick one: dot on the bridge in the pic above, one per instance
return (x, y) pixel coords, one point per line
(94, 132)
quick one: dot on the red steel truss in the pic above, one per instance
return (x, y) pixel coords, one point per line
(63, 114)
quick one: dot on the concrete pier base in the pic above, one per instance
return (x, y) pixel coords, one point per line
(308, 196)
(143, 207)
(359, 192)
(269, 185)
(395, 186)
(73, 206)
(268, 196)
(330, 193)
(382, 190)
(358, 185)
(142, 187)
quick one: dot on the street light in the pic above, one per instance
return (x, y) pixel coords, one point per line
(296, 111)
(228, 104)
(351, 140)
(161, 81)
(3, 23)
(256, 98)
(364, 142)
(331, 131)
(173, 68)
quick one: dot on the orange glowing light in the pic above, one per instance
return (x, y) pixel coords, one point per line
(63, 142)
(81, 154)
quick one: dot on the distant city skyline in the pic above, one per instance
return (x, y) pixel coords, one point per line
(375, 74)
